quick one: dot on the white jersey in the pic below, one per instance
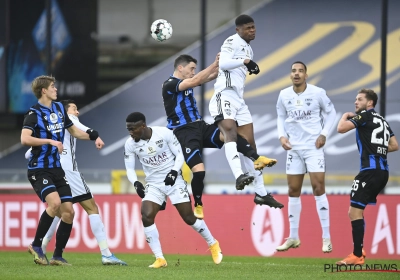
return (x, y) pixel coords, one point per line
(158, 155)
(301, 116)
(68, 158)
(232, 71)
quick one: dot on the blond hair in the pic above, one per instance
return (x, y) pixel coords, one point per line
(41, 82)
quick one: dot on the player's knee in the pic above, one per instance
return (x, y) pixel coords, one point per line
(90, 207)
(294, 191)
(54, 207)
(198, 176)
(189, 219)
(318, 189)
(68, 215)
(147, 220)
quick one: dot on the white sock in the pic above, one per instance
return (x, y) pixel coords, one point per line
(153, 238)
(294, 216)
(233, 158)
(201, 227)
(258, 182)
(323, 214)
(50, 233)
(97, 227)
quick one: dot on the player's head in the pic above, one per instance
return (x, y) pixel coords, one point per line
(70, 107)
(44, 85)
(185, 66)
(136, 125)
(366, 99)
(298, 74)
(246, 27)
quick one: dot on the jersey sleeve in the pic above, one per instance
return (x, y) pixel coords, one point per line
(324, 102)
(391, 133)
(129, 158)
(360, 119)
(30, 120)
(67, 122)
(228, 50)
(281, 112)
(176, 149)
(171, 86)
(77, 123)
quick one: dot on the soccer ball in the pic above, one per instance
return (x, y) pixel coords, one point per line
(161, 30)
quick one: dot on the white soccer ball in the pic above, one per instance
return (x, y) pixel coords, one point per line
(161, 30)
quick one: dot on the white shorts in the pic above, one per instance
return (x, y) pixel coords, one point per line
(228, 105)
(303, 161)
(80, 191)
(177, 193)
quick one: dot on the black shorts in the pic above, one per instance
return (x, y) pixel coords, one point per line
(366, 187)
(47, 180)
(195, 136)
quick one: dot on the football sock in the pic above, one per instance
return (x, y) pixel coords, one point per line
(62, 236)
(233, 158)
(201, 227)
(153, 239)
(358, 236)
(322, 205)
(50, 233)
(258, 182)
(198, 187)
(294, 216)
(44, 225)
(244, 148)
(97, 227)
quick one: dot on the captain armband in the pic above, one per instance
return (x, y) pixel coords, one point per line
(93, 134)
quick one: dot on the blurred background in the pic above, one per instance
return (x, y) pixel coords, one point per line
(104, 58)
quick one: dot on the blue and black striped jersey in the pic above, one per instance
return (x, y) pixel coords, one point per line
(46, 123)
(373, 134)
(180, 106)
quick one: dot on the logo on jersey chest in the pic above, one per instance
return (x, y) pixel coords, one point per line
(188, 92)
(151, 150)
(300, 114)
(156, 160)
(299, 103)
(308, 101)
(53, 117)
(159, 143)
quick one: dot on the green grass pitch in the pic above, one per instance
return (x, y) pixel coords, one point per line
(20, 265)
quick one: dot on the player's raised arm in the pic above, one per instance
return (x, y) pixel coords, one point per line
(201, 77)
(346, 123)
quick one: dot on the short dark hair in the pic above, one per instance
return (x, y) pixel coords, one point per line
(243, 19)
(135, 117)
(302, 63)
(369, 95)
(66, 103)
(184, 60)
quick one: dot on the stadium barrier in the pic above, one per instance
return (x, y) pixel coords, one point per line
(242, 228)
